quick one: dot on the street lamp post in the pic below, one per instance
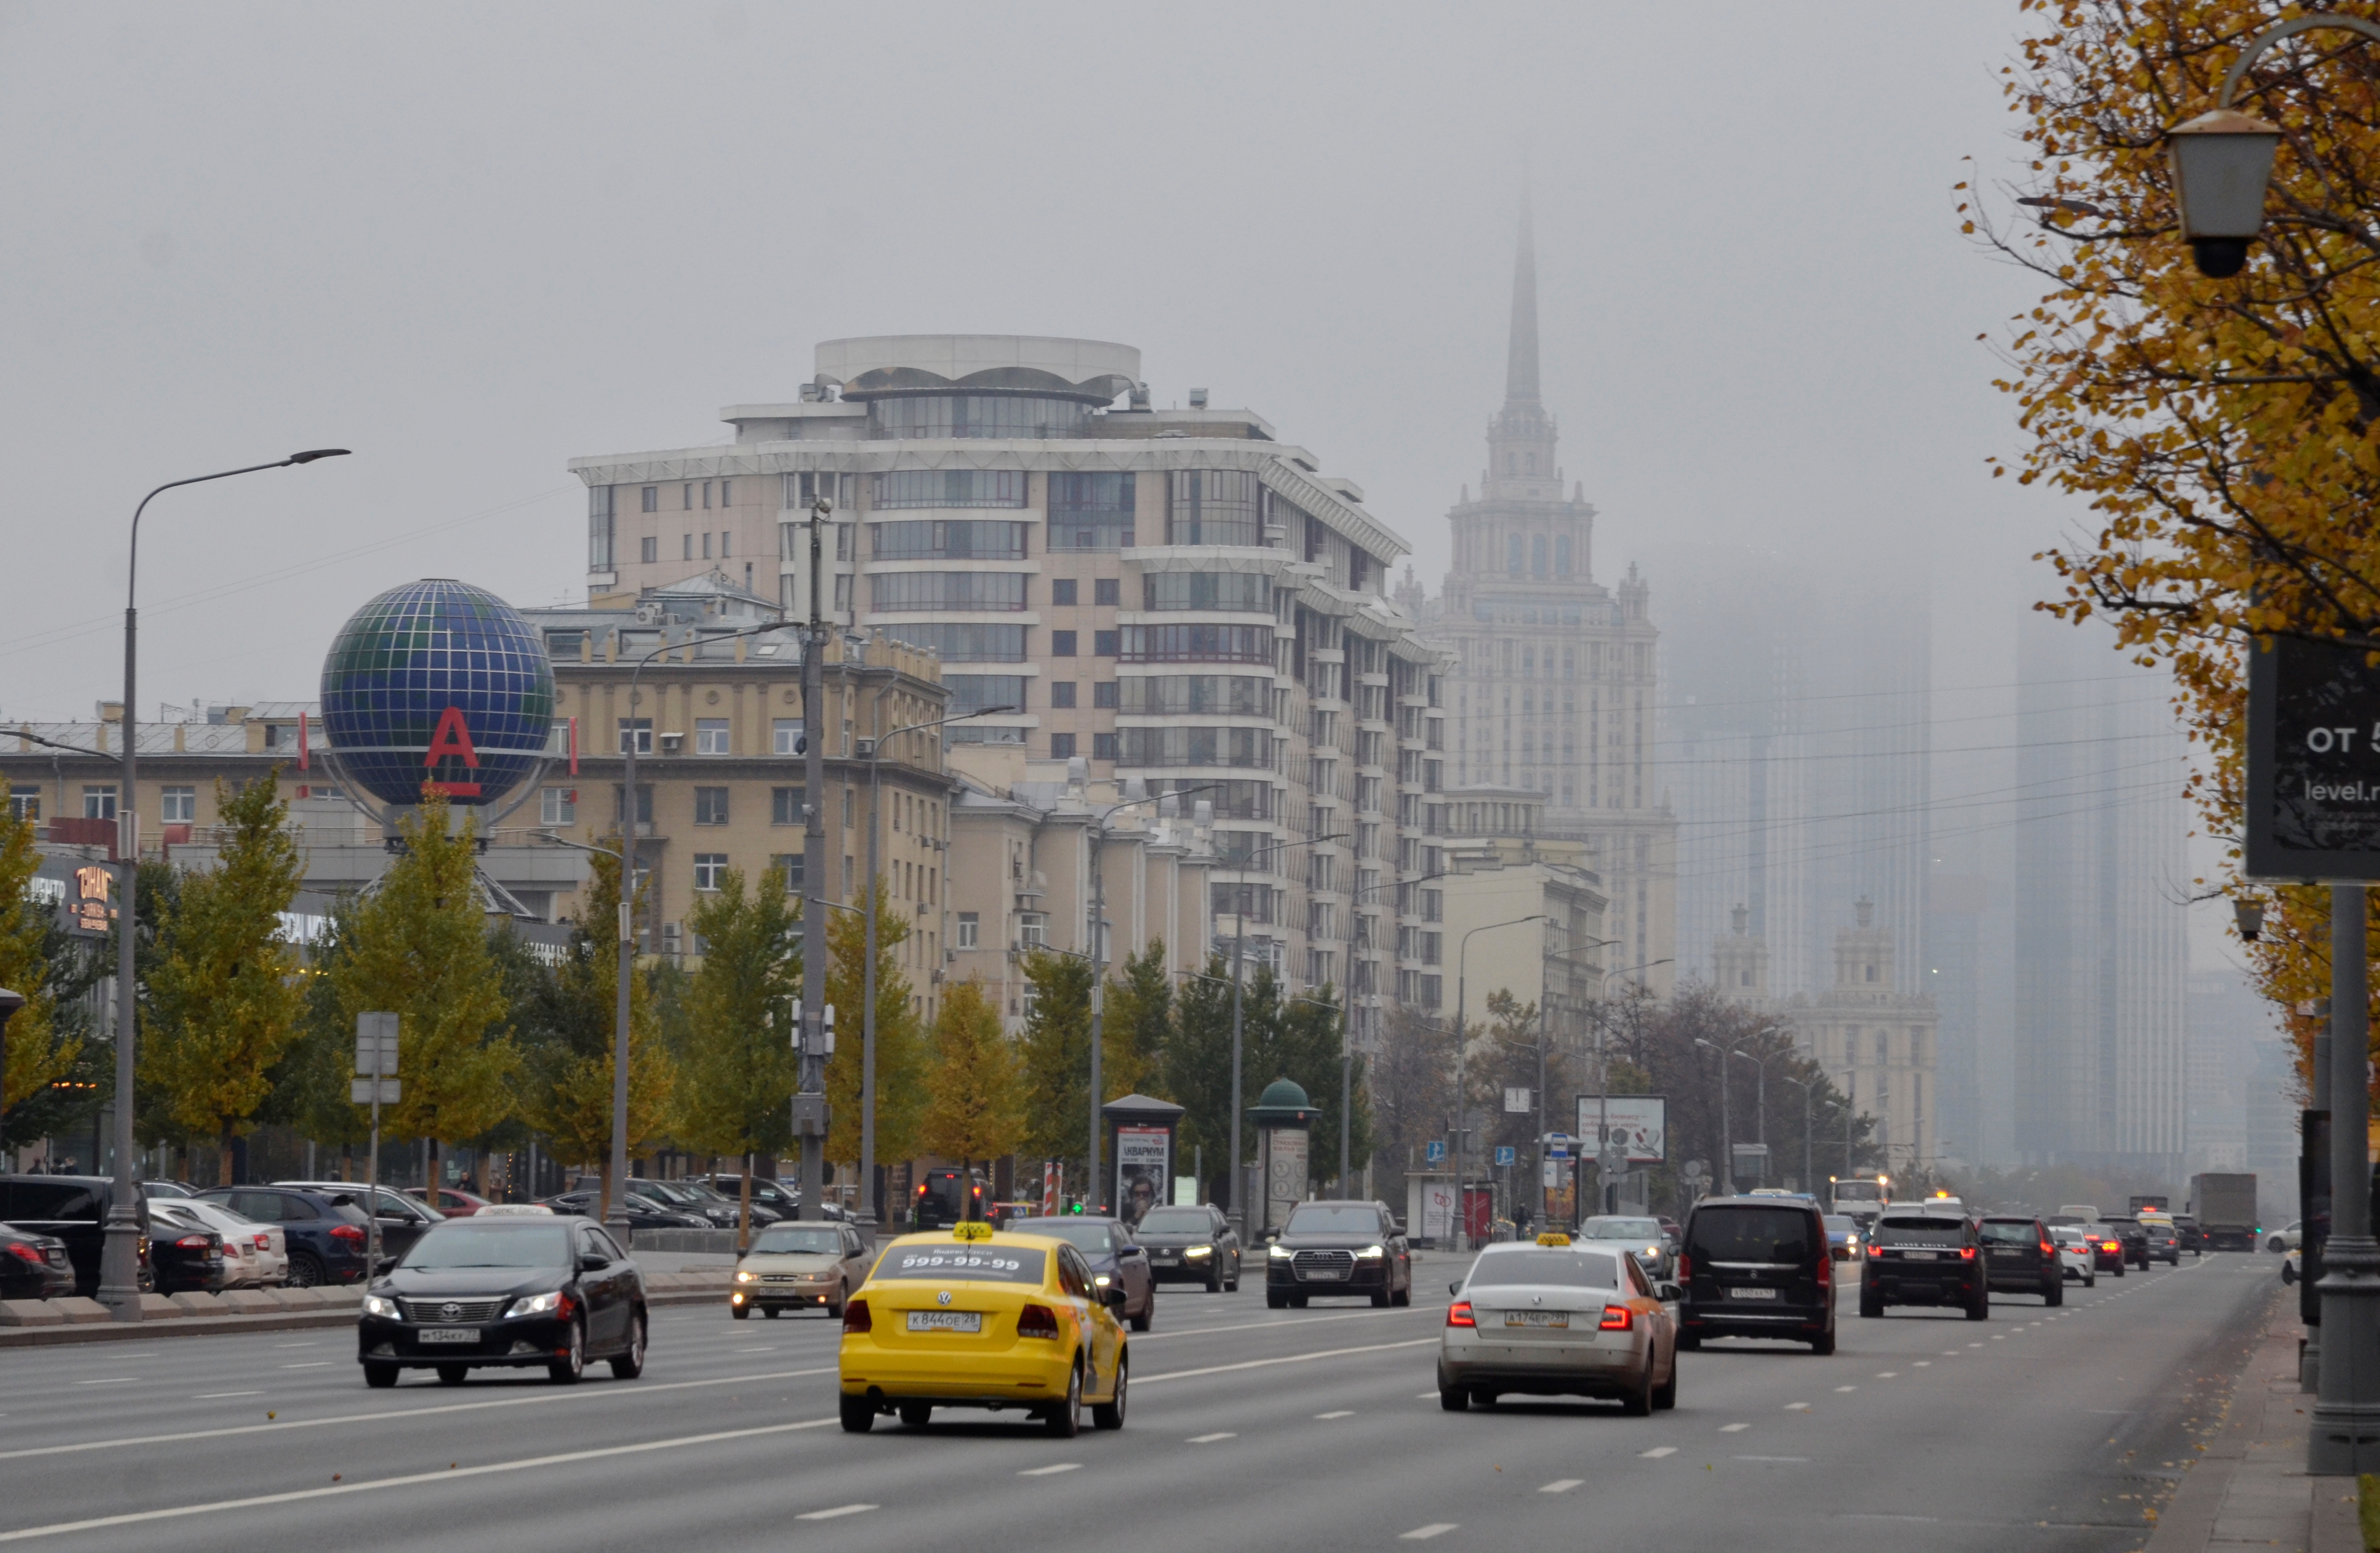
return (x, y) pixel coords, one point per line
(1760, 1101)
(1809, 1184)
(1603, 1187)
(1239, 944)
(1462, 1044)
(119, 1266)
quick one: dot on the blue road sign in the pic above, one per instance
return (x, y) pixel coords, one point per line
(1506, 1154)
(1436, 1152)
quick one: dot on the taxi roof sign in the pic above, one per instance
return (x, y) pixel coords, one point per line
(971, 1229)
(1550, 1238)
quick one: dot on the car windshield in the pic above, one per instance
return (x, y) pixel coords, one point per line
(1921, 1228)
(666, 1191)
(1750, 1234)
(2010, 1231)
(1088, 1236)
(2066, 1234)
(783, 1239)
(1841, 1222)
(964, 1262)
(1622, 1229)
(1175, 1221)
(1545, 1265)
(465, 1243)
(1333, 1219)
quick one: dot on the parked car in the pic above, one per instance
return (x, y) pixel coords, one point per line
(2020, 1258)
(2078, 1258)
(1756, 1268)
(642, 1212)
(697, 1197)
(168, 1189)
(1924, 1256)
(450, 1202)
(1190, 1244)
(324, 1231)
(508, 1293)
(186, 1254)
(72, 1208)
(1116, 1260)
(33, 1267)
(779, 1198)
(254, 1256)
(2293, 1264)
(2288, 1239)
(403, 1219)
(794, 1265)
(1843, 1237)
(1344, 1247)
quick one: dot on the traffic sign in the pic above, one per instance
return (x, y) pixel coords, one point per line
(375, 1046)
(1558, 1145)
(1435, 1152)
(364, 1091)
(1507, 1155)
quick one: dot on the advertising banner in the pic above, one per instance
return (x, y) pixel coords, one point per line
(1143, 1170)
(1284, 1174)
(1639, 1124)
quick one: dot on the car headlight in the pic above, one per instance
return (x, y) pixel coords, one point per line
(744, 1277)
(535, 1304)
(1103, 1279)
(1371, 1253)
(1199, 1251)
(1281, 1252)
(379, 1305)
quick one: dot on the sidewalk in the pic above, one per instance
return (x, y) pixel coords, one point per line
(2250, 1488)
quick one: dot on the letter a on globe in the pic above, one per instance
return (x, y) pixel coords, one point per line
(452, 739)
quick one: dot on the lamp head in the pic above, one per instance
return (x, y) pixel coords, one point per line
(2222, 162)
(312, 454)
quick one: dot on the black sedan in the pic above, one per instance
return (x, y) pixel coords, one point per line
(1339, 1248)
(1115, 1257)
(33, 1267)
(1191, 1244)
(515, 1292)
(779, 1198)
(642, 1212)
(186, 1254)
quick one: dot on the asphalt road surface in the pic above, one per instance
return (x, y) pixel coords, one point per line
(1312, 1429)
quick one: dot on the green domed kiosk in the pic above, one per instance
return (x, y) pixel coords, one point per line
(1283, 1115)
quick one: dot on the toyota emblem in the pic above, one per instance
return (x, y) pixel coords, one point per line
(942, 1298)
(450, 1310)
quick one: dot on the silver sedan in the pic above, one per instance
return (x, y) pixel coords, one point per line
(1558, 1319)
(1639, 1235)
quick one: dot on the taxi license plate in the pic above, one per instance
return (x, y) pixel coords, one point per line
(946, 1321)
(1751, 1294)
(450, 1334)
(1537, 1318)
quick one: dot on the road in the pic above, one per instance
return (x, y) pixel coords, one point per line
(1313, 1429)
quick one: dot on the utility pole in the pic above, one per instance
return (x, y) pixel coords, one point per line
(809, 1105)
(1098, 985)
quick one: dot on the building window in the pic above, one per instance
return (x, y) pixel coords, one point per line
(1433, 948)
(1433, 995)
(644, 804)
(1212, 507)
(785, 806)
(649, 549)
(99, 802)
(652, 494)
(706, 544)
(899, 489)
(687, 505)
(601, 527)
(709, 869)
(969, 644)
(710, 735)
(689, 547)
(1107, 590)
(1103, 694)
(1033, 929)
(1513, 555)
(1061, 747)
(1061, 693)
(947, 590)
(557, 806)
(726, 543)
(969, 924)
(1197, 644)
(177, 805)
(1106, 644)
(643, 729)
(972, 415)
(785, 736)
(1062, 591)
(1207, 591)
(710, 806)
(961, 539)
(971, 693)
(1561, 555)
(790, 865)
(1105, 746)
(25, 806)
(724, 498)
(1062, 644)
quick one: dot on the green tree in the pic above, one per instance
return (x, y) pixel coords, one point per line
(737, 1074)
(36, 1052)
(1307, 1049)
(901, 1055)
(1136, 1025)
(975, 1098)
(1057, 1051)
(419, 948)
(224, 1002)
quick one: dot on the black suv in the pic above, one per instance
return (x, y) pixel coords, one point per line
(1928, 1257)
(2019, 1258)
(1756, 1268)
(1339, 1248)
(72, 1208)
(1191, 1243)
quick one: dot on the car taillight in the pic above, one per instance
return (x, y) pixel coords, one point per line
(1827, 1270)
(192, 1243)
(2109, 1246)
(262, 1244)
(1036, 1321)
(24, 1252)
(1966, 1254)
(855, 1316)
(348, 1232)
(2048, 1249)
(1459, 1315)
(1616, 1319)
(1685, 1267)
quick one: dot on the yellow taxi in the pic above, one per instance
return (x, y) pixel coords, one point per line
(974, 1318)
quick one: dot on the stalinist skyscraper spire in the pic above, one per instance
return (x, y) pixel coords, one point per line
(1555, 690)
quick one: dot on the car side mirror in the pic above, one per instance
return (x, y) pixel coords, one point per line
(593, 1264)
(1455, 1287)
(1670, 1293)
(1113, 1297)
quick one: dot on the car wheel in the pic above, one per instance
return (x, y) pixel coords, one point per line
(1380, 1299)
(842, 1298)
(1404, 1296)
(1871, 1301)
(1108, 1415)
(380, 1377)
(2055, 1295)
(1823, 1344)
(742, 1313)
(916, 1415)
(1982, 1308)
(1276, 1299)
(1690, 1342)
(858, 1414)
(630, 1364)
(1637, 1401)
(2288, 1273)
(2119, 1266)
(1215, 1278)
(1148, 1316)
(1065, 1419)
(1665, 1395)
(1297, 1302)
(453, 1375)
(2090, 1281)
(2274, 1245)
(566, 1370)
(1452, 1399)
(305, 1269)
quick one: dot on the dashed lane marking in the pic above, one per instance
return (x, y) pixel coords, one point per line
(1209, 1439)
(1887, 1375)
(837, 1513)
(1733, 1429)
(309, 1365)
(1423, 1533)
(1846, 1388)
(1797, 1407)
(219, 1396)
(109, 1380)
(1923, 1363)
(1286, 1359)
(1343, 1412)
(1052, 1470)
(1657, 1453)
(1561, 1486)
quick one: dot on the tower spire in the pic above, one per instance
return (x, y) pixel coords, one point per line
(1521, 355)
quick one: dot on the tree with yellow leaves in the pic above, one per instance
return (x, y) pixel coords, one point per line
(975, 1106)
(2223, 431)
(901, 1057)
(224, 1000)
(737, 1074)
(34, 1052)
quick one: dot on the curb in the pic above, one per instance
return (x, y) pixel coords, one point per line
(276, 1321)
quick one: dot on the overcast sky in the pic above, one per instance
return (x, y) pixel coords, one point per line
(470, 242)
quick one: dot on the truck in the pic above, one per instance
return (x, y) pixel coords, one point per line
(2225, 1207)
(1860, 1196)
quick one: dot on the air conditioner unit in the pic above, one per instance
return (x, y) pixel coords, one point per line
(648, 613)
(671, 936)
(670, 743)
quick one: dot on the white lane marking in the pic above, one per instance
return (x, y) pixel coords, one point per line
(1561, 1486)
(1974, 1345)
(1425, 1397)
(1846, 1388)
(1051, 1468)
(836, 1513)
(575, 1394)
(1923, 1363)
(1657, 1453)
(1343, 1412)
(309, 1365)
(1887, 1375)
(2000, 1339)
(410, 1480)
(209, 1397)
(1221, 1434)
(296, 1345)
(1423, 1533)
(1260, 1326)
(1733, 1429)
(109, 1380)
(1772, 1458)
(1797, 1407)
(1284, 1359)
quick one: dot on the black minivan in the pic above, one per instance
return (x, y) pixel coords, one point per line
(1756, 1268)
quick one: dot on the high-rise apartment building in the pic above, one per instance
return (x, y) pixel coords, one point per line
(1171, 595)
(1553, 690)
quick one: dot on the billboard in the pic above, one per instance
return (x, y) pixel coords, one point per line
(1639, 1124)
(2314, 762)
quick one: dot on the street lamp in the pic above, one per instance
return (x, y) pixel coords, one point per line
(1726, 1112)
(1461, 1100)
(1809, 1184)
(1603, 1085)
(119, 1263)
(1239, 944)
